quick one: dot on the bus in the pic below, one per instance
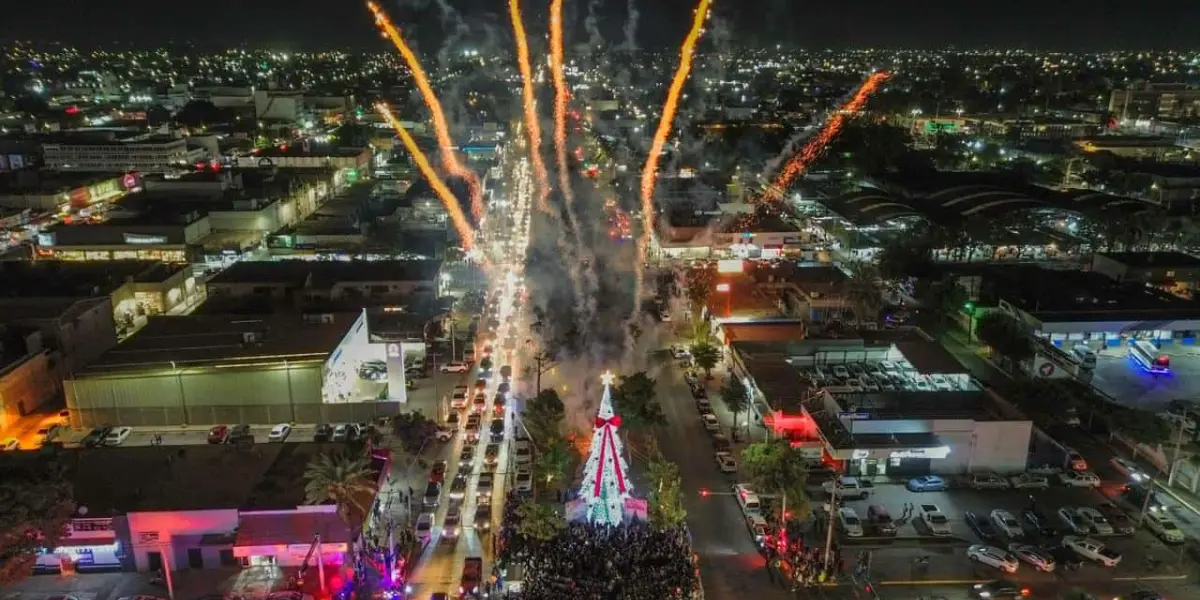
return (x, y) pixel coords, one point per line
(1148, 356)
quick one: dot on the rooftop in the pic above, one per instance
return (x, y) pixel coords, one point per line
(1078, 296)
(320, 274)
(919, 405)
(783, 331)
(203, 477)
(33, 181)
(199, 341)
(297, 150)
(1153, 259)
(77, 279)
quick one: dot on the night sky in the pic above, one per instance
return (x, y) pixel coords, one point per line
(324, 24)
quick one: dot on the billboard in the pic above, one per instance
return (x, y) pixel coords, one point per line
(730, 266)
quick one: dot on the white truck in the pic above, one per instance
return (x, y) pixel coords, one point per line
(1092, 550)
(935, 520)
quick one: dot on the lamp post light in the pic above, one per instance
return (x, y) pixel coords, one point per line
(724, 288)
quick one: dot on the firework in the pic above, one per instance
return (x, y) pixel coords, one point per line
(800, 161)
(533, 128)
(441, 129)
(452, 207)
(650, 171)
(560, 97)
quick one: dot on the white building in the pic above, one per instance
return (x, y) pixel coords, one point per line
(156, 154)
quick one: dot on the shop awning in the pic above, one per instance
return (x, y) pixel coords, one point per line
(291, 528)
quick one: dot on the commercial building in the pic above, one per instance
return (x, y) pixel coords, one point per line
(142, 153)
(50, 191)
(29, 375)
(1174, 272)
(352, 163)
(1167, 101)
(198, 507)
(290, 281)
(734, 236)
(159, 232)
(922, 414)
(206, 369)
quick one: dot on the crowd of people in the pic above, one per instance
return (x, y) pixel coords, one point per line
(631, 561)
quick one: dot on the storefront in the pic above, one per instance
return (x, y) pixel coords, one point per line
(893, 461)
(305, 536)
(91, 545)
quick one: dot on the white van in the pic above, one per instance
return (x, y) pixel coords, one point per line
(1086, 356)
(747, 499)
(117, 436)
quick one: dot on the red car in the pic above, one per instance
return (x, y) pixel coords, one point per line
(438, 474)
(218, 434)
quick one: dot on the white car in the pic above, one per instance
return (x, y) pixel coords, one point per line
(444, 434)
(935, 520)
(1163, 527)
(1095, 521)
(279, 432)
(1033, 556)
(988, 481)
(994, 557)
(1128, 468)
(1093, 550)
(1079, 479)
(1008, 524)
(1073, 522)
(757, 525)
(850, 522)
(710, 422)
(455, 367)
(726, 463)
(524, 482)
(1029, 481)
(841, 372)
(117, 436)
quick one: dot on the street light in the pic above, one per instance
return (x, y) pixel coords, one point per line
(724, 288)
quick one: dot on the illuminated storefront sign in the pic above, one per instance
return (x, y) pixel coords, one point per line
(940, 452)
(141, 238)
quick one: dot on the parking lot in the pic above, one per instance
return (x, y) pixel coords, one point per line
(896, 559)
(885, 375)
(1118, 376)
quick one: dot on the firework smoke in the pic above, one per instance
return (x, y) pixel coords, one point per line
(533, 127)
(591, 24)
(439, 187)
(631, 24)
(450, 161)
(650, 171)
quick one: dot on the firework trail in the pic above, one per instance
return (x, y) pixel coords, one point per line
(533, 128)
(560, 98)
(800, 161)
(650, 171)
(450, 161)
(452, 207)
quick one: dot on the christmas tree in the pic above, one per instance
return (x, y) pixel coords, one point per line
(605, 487)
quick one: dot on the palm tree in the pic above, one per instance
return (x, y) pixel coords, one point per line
(342, 479)
(861, 291)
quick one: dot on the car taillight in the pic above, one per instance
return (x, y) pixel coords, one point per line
(1025, 592)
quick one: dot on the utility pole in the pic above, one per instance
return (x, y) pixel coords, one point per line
(833, 499)
(1175, 454)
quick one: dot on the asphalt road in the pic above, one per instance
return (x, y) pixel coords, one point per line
(730, 565)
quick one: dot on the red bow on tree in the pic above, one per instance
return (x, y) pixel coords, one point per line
(615, 421)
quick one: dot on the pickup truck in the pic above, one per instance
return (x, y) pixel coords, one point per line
(935, 520)
(472, 575)
(1092, 550)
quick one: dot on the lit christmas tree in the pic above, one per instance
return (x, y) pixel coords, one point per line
(605, 487)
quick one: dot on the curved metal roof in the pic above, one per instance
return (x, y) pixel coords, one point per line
(1089, 201)
(870, 207)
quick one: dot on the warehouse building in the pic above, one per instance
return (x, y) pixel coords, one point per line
(234, 369)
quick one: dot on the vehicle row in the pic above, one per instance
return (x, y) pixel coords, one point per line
(993, 481)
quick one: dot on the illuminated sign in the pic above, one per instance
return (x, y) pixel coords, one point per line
(940, 452)
(860, 454)
(393, 351)
(141, 238)
(730, 266)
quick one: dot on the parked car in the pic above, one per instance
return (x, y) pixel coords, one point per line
(1121, 523)
(849, 521)
(424, 528)
(323, 433)
(1038, 522)
(987, 481)
(879, 519)
(1096, 522)
(1129, 469)
(993, 556)
(710, 422)
(847, 488)
(117, 436)
(455, 367)
(935, 520)
(926, 483)
(1065, 558)
(1033, 556)
(1008, 524)
(726, 463)
(279, 432)
(1092, 550)
(1162, 526)
(1072, 521)
(218, 434)
(1029, 481)
(1079, 479)
(981, 526)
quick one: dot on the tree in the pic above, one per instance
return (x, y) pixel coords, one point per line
(552, 461)
(198, 113)
(733, 393)
(413, 429)
(1005, 334)
(343, 479)
(543, 417)
(635, 399)
(901, 259)
(944, 296)
(862, 291)
(35, 505)
(706, 355)
(539, 522)
(666, 494)
(777, 468)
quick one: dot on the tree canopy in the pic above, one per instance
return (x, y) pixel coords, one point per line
(539, 522)
(666, 493)
(700, 286)
(1005, 334)
(776, 467)
(413, 430)
(35, 505)
(552, 461)
(706, 355)
(543, 417)
(636, 400)
(345, 480)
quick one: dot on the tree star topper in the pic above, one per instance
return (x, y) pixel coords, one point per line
(607, 378)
